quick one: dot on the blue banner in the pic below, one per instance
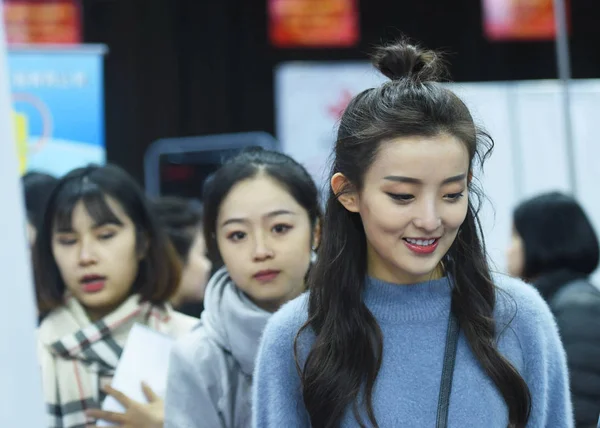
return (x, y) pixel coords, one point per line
(58, 107)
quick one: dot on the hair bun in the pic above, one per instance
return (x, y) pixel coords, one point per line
(403, 60)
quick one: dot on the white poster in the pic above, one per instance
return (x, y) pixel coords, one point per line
(310, 98)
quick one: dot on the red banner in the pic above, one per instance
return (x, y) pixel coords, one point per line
(506, 20)
(313, 23)
(50, 21)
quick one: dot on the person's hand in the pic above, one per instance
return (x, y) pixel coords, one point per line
(137, 415)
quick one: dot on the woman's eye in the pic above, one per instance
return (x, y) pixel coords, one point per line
(106, 235)
(67, 241)
(236, 236)
(281, 228)
(402, 197)
(454, 196)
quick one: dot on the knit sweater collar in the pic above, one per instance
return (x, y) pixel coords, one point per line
(408, 302)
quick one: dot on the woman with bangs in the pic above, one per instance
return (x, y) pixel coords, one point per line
(102, 264)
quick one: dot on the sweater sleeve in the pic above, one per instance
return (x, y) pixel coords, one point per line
(551, 404)
(277, 395)
(545, 366)
(191, 397)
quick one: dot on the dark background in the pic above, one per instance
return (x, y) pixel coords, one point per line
(192, 67)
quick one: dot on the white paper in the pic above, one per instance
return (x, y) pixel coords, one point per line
(145, 358)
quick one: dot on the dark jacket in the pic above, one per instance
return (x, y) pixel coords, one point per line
(575, 303)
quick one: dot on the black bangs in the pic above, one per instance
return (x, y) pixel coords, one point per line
(93, 199)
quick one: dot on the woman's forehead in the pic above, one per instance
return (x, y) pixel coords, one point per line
(257, 198)
(426, 159)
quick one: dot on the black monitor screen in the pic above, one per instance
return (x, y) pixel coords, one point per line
(183, 174)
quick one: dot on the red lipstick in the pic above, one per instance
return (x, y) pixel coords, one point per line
(421, 245)
(266, 275)
(92, 283)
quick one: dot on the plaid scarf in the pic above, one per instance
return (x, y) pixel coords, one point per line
(76, 354)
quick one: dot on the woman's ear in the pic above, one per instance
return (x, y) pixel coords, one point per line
(316, 236)
(347, 194)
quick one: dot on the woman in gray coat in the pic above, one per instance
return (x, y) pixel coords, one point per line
(262, 222)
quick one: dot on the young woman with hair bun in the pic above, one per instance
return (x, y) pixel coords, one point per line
(405, 325)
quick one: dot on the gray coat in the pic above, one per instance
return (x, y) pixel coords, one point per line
(210, 373)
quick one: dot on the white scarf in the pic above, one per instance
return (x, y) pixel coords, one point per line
(76, 353)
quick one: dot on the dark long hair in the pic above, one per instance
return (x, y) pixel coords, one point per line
(347, 353)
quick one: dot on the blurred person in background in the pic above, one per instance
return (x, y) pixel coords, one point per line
(555, 247)
(102, 263)
(404, 324)
(262, 221)
(37, 187)
(182, 219)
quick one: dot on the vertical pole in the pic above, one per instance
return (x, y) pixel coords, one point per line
(564, 74)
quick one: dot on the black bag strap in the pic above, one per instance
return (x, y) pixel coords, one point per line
(447, 371)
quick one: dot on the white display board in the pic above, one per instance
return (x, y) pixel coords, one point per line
(524, 119)
(21, 401)
(310, 98)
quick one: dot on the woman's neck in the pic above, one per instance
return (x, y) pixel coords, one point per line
(273, 306)
(396, 276)
(96, 314)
